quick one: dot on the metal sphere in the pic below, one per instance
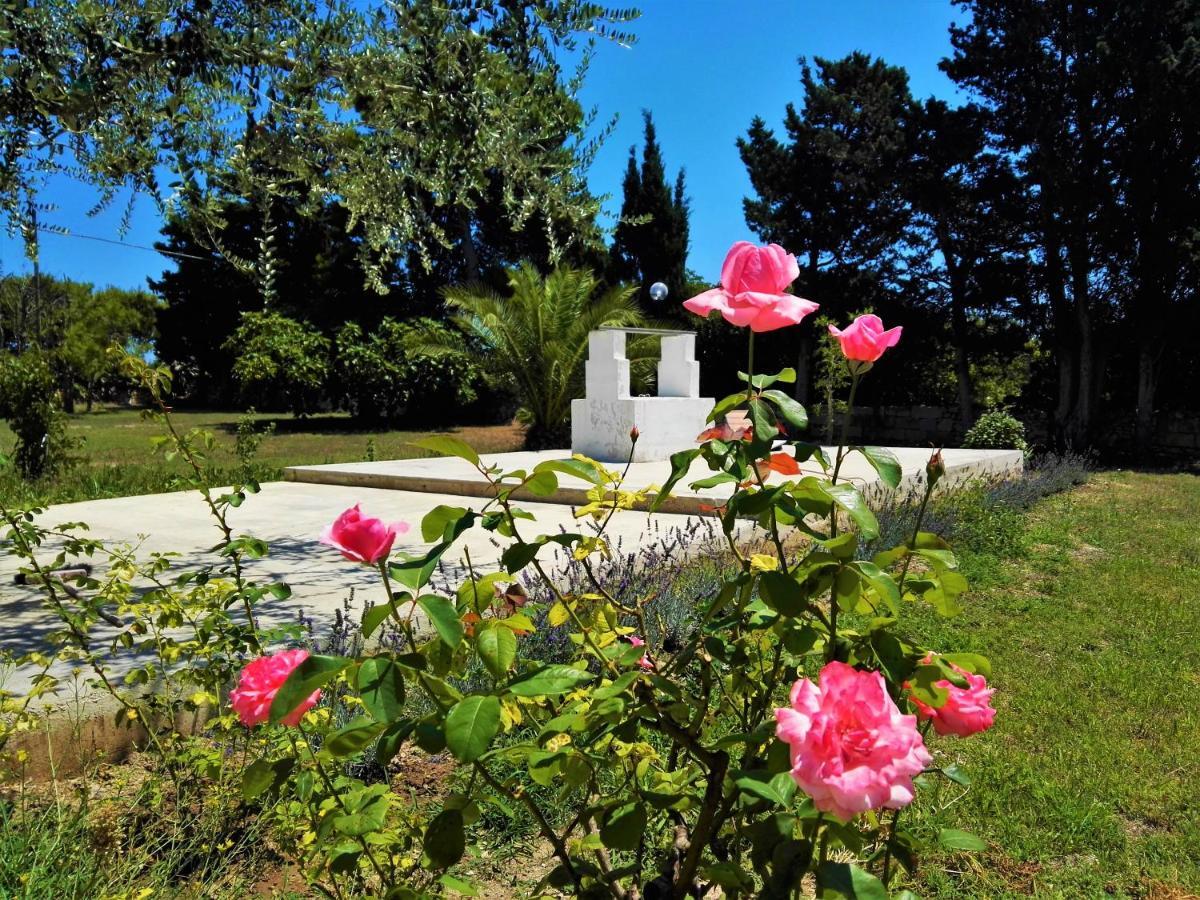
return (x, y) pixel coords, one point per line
(658, 291)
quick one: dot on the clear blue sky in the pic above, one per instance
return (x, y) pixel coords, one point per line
(704, 68)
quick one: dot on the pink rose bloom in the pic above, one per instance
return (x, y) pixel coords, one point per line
(645, 661)
(865, 340)
(967, 711)
(260, 680)
(362, 539)
(753, 280)
(852, 749)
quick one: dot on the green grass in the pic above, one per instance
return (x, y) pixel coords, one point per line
(74, 849)
(117, 457)
(1086, 786)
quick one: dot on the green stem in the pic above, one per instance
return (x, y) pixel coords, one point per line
(750, 370)
(833, 522)
(916, 530)
(887, 849)
(837, 466)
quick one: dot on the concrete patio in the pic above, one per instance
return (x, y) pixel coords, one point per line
(289, 516)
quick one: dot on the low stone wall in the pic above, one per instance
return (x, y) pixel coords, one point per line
(1177, 434)
(905, 426)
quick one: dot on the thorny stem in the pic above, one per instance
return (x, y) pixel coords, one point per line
(833, 521)
(337, 798)
(235, 556)
(46, 581)
(916, 530)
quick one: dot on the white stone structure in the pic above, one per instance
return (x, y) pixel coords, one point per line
(600, 422)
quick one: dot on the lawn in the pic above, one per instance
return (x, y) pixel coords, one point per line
(116, 456)
(1086, 787)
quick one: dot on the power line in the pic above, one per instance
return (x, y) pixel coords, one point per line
(92, 237)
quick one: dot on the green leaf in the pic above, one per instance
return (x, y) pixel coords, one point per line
(264, 775)
(363, 822)
(793, 413)
(785, 376)
(315, 672)
(841, 547)
(445, 619)
(577, 468)
(884, 462)
(445, 840)
(681, 462)
(541, 484)
(414, 572)
(459, 886)
(497, 648)
(376, 615)
(782, 593)
(549, 680)
(518, 556)
(849, 499)
(352, 738)
(953, 839)
(974, 663)
(391, 739)
(438, 519)
(381, 685)
(881, 582)
(763, 421)
(768, 787)
(713, 481)
(850, 882)
(924, 686)
(957, 775)
(726, 405)
(621, 827)
(448, 446)
(471, 726)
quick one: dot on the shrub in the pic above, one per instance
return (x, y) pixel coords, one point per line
(535, 341)
(691, 733)
(983, 516)
(280, 362)
(382, 377)
(996, 430)
(29, 401)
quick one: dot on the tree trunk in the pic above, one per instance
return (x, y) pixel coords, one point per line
(958, 326)
(1088, 375)
(1065, 347)
(1146, 387)
(472, 267)
(803, 378)
(803, 389)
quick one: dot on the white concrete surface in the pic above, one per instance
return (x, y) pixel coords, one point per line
(289, 517)
(451, 475)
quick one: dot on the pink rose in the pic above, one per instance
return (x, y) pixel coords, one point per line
(852, 749)
(261, 680)
(645, 662)
(753, 280)
(362, 539)
(967, 711)
(865, 340)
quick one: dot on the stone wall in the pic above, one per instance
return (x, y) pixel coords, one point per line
(904, 426)
(1177, 434)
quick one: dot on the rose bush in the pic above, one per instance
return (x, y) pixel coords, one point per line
(768, 750)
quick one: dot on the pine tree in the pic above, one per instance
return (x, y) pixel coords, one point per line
(651, 241)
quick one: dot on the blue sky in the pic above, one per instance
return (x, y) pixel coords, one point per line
(704, 68)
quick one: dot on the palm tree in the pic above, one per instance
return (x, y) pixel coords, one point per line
(537, 338)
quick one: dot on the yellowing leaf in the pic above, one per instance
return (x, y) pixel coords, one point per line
(763, 562)
(558, 615)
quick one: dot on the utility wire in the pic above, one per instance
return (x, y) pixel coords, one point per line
(92, 237)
